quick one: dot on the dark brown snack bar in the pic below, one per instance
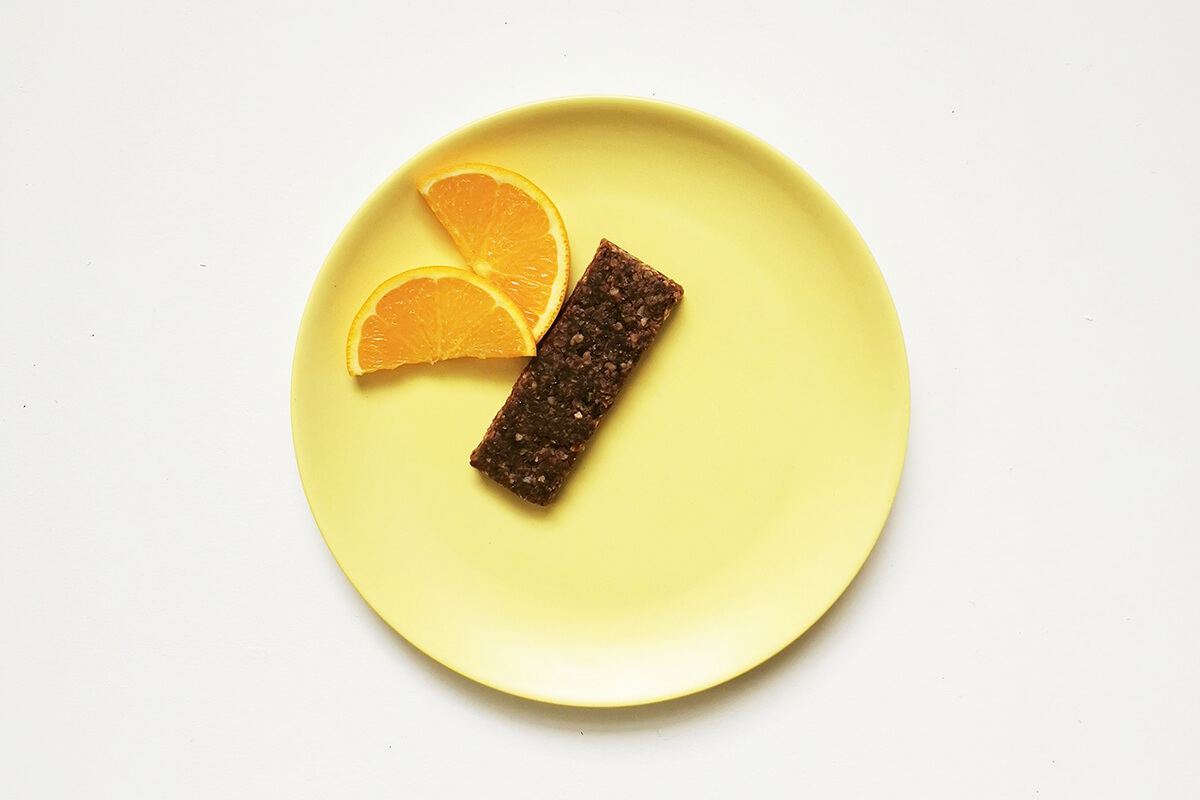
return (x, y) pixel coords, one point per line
(605, 327)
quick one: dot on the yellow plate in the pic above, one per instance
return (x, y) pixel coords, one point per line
(732, 493)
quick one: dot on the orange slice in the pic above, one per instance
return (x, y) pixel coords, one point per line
(508, 231)
(434, 314)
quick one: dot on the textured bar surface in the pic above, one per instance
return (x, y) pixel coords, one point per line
(604, 328)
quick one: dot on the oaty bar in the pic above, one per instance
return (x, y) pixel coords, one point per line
(604, 328)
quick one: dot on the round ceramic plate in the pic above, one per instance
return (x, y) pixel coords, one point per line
(725, 502)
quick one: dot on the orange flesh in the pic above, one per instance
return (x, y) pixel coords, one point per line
(433, 319)
(504, 235)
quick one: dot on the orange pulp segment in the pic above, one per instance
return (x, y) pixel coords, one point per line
(508, 231)
(434, 314)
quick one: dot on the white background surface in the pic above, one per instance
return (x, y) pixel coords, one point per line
(1026, 174)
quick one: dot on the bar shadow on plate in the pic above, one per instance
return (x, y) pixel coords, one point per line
(654, 715)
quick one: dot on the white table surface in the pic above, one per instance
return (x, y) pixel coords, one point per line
(1028, 177)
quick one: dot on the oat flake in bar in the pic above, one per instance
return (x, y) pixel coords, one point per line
(605, 326)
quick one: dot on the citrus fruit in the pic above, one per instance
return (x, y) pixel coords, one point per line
(508, 231)
(434, 314)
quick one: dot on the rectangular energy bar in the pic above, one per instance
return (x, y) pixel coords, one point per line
(604, 328)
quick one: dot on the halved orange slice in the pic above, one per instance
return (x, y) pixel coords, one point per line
(508, 231)
(434, 314)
